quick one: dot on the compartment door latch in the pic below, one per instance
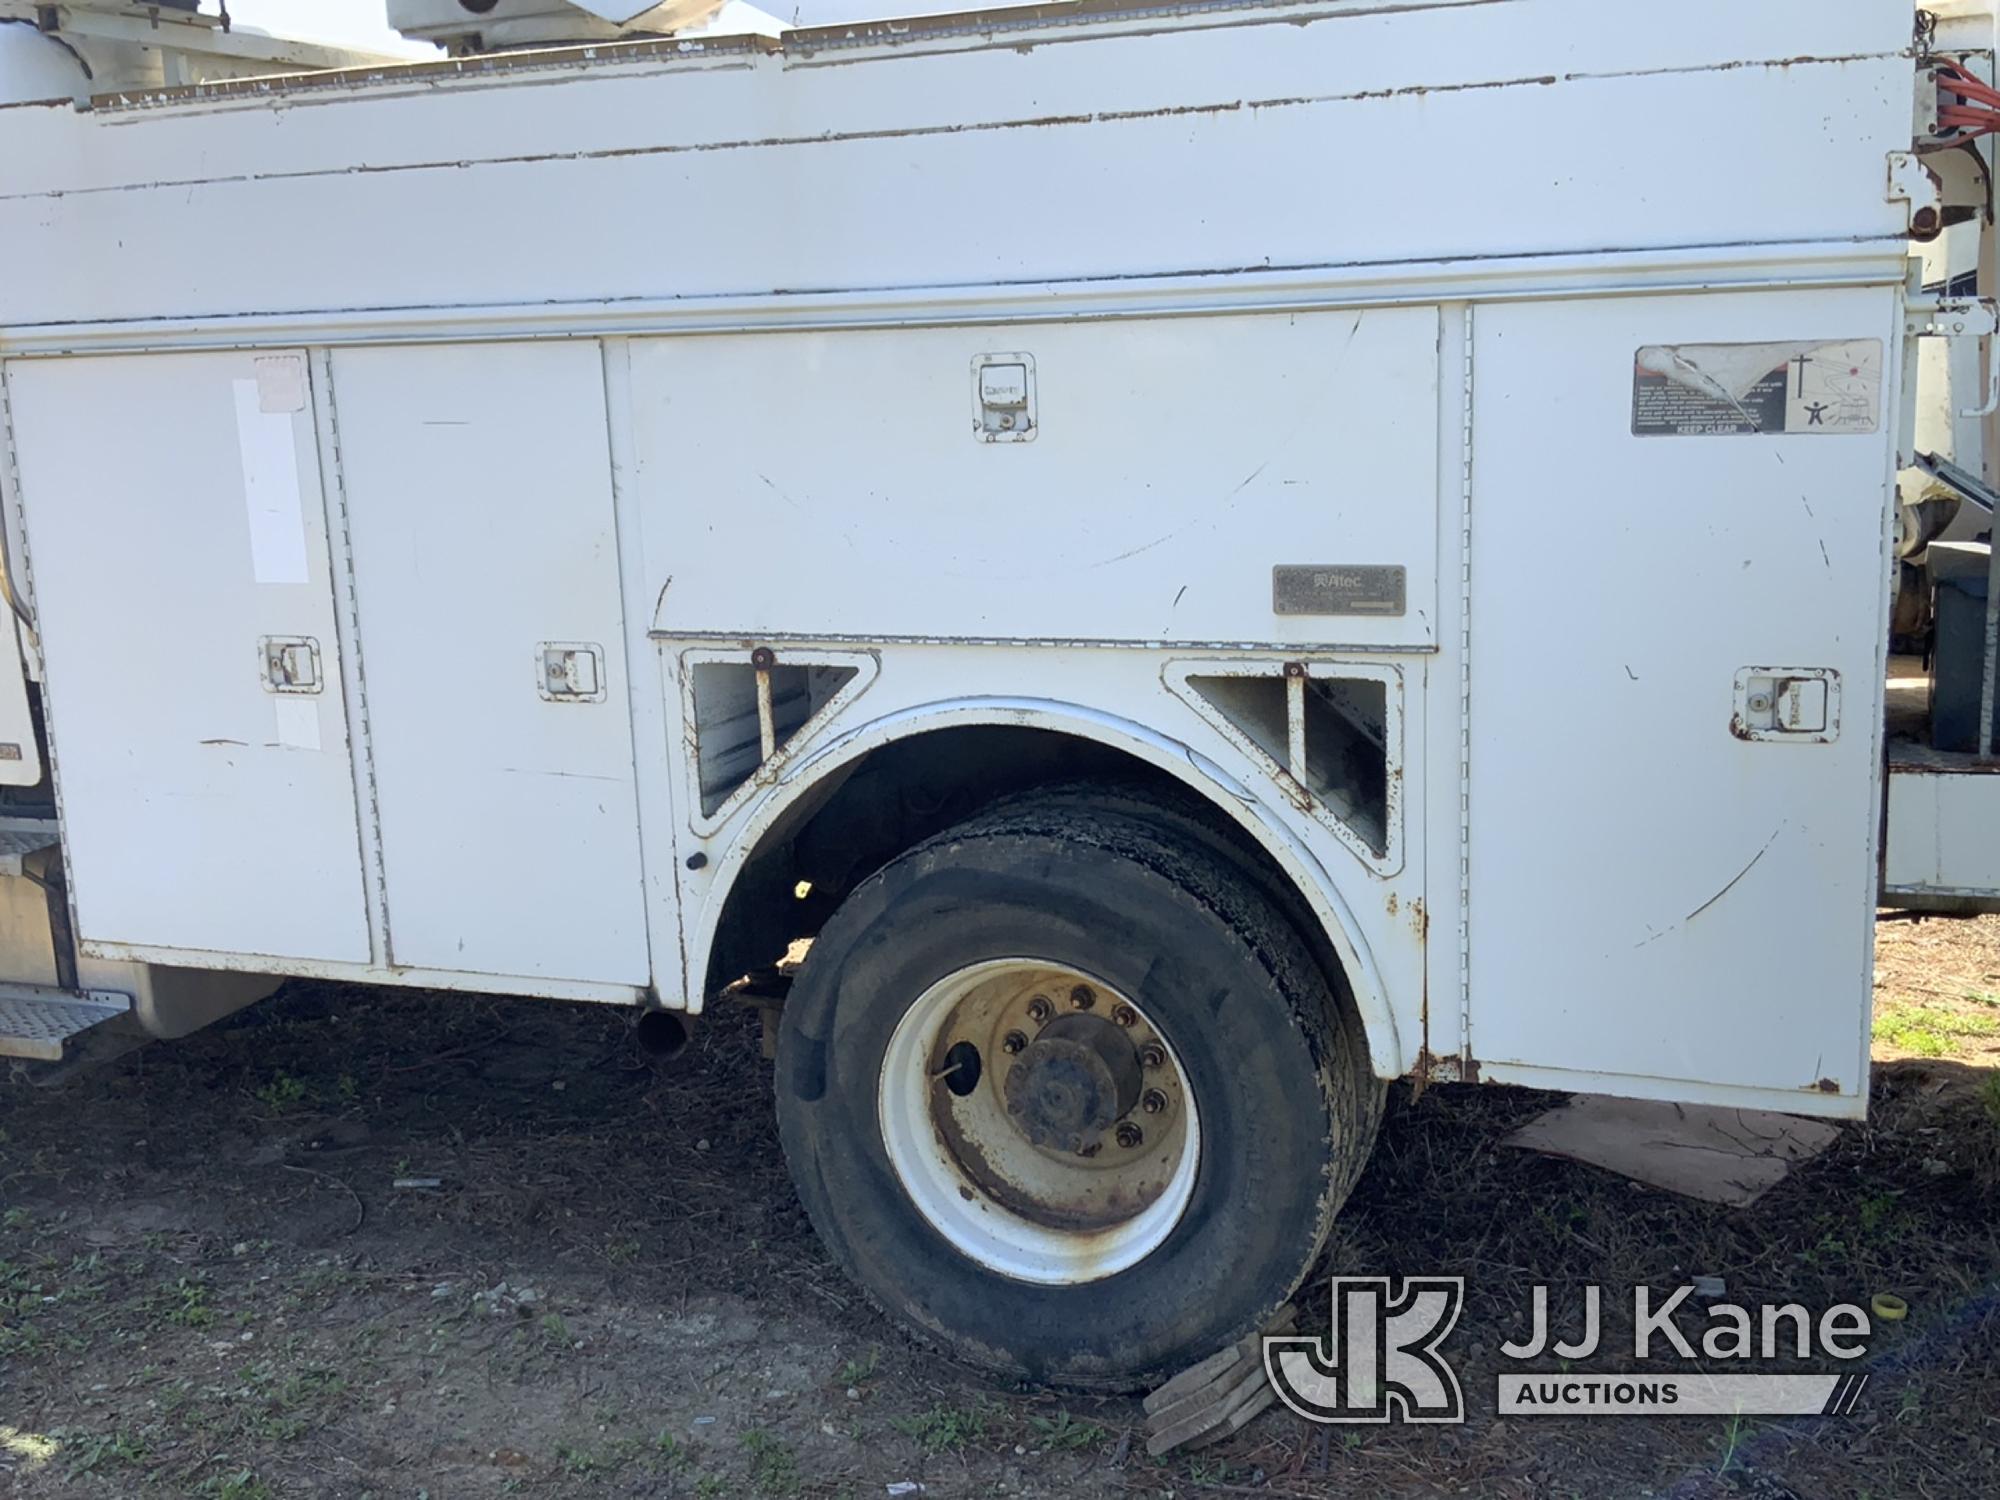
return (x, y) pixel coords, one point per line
(1003, 398)
(570, 671)
(1797, 705)
(291, 664)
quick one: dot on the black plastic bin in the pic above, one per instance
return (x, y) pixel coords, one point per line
(1959, 572)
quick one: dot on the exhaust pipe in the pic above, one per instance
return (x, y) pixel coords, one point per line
(664, 1034)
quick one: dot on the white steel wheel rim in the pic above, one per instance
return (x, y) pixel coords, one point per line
(943, 1148)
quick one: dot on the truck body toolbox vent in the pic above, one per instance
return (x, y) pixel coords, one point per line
(1331, 739)
(745, 712)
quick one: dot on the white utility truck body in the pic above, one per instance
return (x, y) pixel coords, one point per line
(471, 517)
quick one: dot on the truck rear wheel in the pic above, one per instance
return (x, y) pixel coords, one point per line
(1061, 1091)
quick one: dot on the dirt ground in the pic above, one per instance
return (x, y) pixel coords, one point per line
(412, 1245)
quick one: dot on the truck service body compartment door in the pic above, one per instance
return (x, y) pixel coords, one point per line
(1676, 679)
(478, 489)
(177, 543)
(857, 485)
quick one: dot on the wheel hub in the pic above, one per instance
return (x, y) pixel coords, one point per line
(1039, 1120)
(1073, 1082)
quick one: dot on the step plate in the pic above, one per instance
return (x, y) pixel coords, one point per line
(36, 1022)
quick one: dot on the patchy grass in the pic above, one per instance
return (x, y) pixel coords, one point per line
(945, 1429)
(283, 1093)
(92, 1452)
(555, 1333)
(1931, 1030)
(184, 1303)
(1062, 1432)
(860, 1369)
(1937, 990)
(669, 1451)
(582, 1463)
(774, 1468)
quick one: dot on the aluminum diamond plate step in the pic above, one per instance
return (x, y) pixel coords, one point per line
(35, 1022)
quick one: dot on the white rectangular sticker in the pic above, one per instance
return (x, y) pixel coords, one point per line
(1801, 388)
(298, 722)
(269, 451)
(281, 382)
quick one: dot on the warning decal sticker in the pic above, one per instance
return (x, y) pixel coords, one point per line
(1701, 390)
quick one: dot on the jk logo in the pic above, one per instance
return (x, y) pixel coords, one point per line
(1379, 1362)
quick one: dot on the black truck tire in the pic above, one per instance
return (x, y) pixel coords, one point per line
(990, 982)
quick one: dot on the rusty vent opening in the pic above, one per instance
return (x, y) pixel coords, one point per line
(1328, 736)
(746, 712)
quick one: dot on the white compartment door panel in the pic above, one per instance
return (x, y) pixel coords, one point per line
(1660, 888)
(479, 501)
(176, 532)
(1132, 480)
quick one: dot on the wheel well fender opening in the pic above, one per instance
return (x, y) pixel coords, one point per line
(860, 801)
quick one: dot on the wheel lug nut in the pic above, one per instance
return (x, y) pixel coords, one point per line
(1130, 1135)
(1039, 1008)
(1083, 997)
(1124, 1015)
(1153, 1101)
(1013, 1042)
(1152, 1055)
